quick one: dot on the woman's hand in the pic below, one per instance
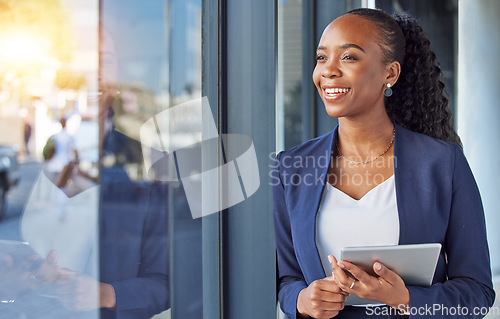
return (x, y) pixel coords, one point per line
(388, 288)
(48, 270)
(80, 292)
(23, 276)
(323, 298)
(15, 278)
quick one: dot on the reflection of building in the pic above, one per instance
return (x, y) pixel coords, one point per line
(147, 77)
(290, 57)
(290, 35)
(38, 98)
(85, 60)
(185, 58)
(132, 107)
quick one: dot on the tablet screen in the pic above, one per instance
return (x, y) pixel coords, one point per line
(19, 252)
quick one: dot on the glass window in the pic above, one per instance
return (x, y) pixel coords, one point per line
(49, 253)
(289, 80)
(105, 137)
(99, 93)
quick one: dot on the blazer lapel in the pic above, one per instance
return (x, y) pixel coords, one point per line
(308, 206)
(405, 185)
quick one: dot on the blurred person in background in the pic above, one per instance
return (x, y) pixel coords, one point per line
(27, 134)
(61, 158)
(64, 147)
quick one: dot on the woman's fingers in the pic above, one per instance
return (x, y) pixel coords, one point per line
(327, 297)
(321, 299)
(325, 309)
(350, 277)
(355, 271)
(329, 284)
(341, 278)
(385, 273)
(330, 296)
(332, 260)
(48, 270)
(386, 286)
(337, 273)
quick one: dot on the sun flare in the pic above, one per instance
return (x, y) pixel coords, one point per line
(22, 48)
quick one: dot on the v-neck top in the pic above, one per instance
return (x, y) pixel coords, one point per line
(343, 221)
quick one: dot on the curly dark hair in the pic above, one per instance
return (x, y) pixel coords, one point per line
(419, 101)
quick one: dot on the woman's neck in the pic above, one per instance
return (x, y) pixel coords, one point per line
(364, 139)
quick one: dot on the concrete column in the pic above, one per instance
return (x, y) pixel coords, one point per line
(479, 106)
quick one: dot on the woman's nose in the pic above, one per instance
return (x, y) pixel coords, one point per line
(331, 69)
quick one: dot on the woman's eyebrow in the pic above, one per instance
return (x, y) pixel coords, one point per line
(344, 46)
(352, 45)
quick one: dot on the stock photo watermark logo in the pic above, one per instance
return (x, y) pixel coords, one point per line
(217, 171)
(434, 310)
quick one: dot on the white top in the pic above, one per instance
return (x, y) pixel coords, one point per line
(52, 220)
(343, 221)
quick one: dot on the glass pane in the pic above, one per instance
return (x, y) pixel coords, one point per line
(133, 212)
(155, 77)
(49, 254)
(99, 93)
(289, 81)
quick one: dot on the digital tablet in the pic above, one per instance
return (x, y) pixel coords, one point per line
(19, 251)
(415, 264)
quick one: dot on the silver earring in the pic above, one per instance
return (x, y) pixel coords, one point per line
(388, 90)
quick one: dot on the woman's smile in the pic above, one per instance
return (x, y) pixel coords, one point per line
(334, 93)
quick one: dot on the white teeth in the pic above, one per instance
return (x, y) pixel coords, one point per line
(336, 90)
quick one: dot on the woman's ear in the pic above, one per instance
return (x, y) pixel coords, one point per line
(393, 72)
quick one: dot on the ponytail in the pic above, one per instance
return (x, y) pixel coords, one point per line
(419, 102)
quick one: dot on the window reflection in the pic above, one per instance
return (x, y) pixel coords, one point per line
(111, 238)
(289, 86)
(45, 79)
(156, 66)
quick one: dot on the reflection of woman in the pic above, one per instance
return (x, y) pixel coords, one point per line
(396, 176)
(122, 275)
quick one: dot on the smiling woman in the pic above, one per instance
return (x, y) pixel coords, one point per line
(379, 77)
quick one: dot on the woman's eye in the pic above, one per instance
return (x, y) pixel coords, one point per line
(320, 58)
(349, 57)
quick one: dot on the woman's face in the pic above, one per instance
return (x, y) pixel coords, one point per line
(349, 74)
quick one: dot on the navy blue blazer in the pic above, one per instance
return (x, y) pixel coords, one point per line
(133, 235)
(438, 202)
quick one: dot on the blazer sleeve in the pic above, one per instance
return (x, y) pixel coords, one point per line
(147, 294)
(468, 289)
(290, 278)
